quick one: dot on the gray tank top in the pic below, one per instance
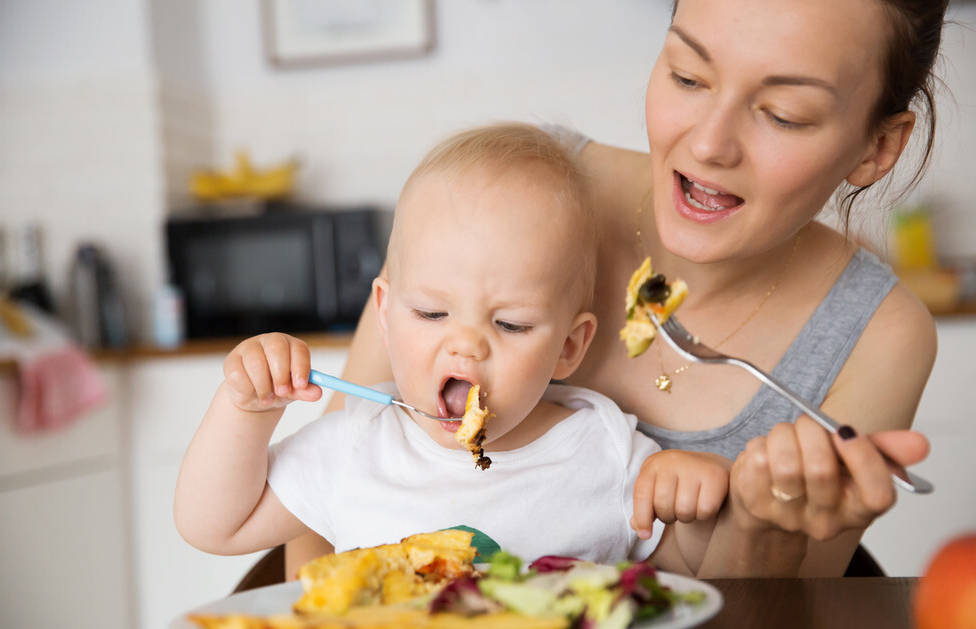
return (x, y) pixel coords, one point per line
(810, 364)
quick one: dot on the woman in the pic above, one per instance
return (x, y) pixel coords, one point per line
(757, 112)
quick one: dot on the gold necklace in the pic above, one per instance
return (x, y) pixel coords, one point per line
(663, 382)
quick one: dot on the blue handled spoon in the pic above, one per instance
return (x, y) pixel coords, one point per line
(336, 384)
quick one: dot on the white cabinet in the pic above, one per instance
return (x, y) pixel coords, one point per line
(904, 539)
(63, 522)
(86, 512)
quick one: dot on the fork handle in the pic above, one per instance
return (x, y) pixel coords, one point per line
(336, 384)
(902, 477)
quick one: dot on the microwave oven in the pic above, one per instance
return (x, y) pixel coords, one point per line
(291, 270)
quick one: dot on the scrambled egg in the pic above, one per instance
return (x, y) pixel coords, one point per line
(471, 434)
(639, 331)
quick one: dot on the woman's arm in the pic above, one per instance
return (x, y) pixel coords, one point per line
(367, 363)
(878, 390)
(840, 485)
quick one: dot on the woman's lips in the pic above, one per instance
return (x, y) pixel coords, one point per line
(696, 214)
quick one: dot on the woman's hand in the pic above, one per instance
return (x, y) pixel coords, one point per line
(800, 478)
(674, 485)
(268, 371)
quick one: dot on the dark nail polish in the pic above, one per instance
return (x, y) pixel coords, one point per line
(845, 432)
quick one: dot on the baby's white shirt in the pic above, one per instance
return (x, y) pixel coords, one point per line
(368, 475)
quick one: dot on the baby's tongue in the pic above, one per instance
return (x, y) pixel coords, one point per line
(456, 396)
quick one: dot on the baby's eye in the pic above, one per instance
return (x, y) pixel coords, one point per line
(429, 315)
(512, 327)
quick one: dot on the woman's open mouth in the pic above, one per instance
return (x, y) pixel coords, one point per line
(702, 203)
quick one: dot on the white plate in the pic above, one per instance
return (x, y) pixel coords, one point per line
(277, 599)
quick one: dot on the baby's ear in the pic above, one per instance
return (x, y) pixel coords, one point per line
(381, 300)
(574, 347)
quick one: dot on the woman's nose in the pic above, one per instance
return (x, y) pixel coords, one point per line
(467, 342)
(714, 139)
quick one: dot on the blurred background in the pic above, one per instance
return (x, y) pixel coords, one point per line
(148, 148)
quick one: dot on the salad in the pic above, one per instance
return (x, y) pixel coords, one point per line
(589, 595)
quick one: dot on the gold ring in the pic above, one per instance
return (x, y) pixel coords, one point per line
(781, 495)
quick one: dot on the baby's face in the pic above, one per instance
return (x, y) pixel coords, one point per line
(479, 292)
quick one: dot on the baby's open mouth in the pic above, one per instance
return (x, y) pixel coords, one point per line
(454, 396)
(708, 199)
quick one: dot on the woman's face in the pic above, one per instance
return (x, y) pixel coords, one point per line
(756, 111)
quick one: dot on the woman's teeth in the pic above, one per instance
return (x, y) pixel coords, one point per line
(696, 204)
(701, 187)
(709, 199)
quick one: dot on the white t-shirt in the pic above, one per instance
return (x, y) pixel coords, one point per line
(368, 475)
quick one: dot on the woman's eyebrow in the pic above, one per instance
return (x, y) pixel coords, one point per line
(693, 43)
(775, 80)
(769, 81)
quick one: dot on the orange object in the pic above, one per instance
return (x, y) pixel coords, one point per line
(946, 594)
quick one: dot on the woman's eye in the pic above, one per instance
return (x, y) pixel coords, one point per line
(684, 81)
(512, 327)
(429, 315)
(783, 122)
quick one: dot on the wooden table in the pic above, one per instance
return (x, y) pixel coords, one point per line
(858, 602)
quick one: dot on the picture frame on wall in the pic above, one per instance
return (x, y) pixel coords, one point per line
(330, 32)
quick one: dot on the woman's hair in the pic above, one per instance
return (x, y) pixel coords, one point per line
(914, 36)
(510, 147)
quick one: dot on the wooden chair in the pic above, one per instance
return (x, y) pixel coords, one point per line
(270, 568)
(863, 564)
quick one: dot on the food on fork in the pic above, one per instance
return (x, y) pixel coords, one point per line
(648, 293)
(471, 434)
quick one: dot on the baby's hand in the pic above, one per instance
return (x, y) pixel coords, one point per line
(268, 371)
(678, 485)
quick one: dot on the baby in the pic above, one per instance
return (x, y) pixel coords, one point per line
(490, 274)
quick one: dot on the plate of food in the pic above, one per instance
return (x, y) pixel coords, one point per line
(431, 580)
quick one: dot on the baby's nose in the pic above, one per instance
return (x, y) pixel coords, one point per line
(467, 342)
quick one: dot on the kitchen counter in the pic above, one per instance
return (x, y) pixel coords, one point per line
(194, 347)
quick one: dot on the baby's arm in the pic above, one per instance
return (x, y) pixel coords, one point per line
(223, 503)
(685, 490)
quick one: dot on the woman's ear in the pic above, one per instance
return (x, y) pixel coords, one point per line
(884, 150)
(574, 347)
(381, 302)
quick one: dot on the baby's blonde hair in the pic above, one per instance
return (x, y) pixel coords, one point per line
(506, 146)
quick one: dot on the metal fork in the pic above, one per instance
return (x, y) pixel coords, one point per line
(688, 345)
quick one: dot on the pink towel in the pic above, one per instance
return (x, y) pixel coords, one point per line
(56, 388)
(58, 381)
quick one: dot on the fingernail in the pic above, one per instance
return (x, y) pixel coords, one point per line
(845, 432)
(281, 389)
(300, 383)
(644, 534)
